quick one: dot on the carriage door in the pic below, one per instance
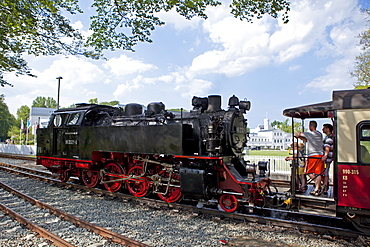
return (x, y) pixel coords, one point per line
(353, 161)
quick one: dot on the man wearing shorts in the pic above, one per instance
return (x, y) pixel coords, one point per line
(315, 164)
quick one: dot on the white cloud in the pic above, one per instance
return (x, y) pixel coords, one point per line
(238, 47)
(178, 21)
(182, 82)
(294, 67)
(188, 89)
(327, 27)
(337, 77)
(128, 87)
(125, 65)
(77, 25)
(77, 73)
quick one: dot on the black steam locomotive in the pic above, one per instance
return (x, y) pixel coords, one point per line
(194, 155)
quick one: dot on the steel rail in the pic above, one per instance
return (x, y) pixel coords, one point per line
(18, 156)
(36, 228)
(29, 170)
(113, 236)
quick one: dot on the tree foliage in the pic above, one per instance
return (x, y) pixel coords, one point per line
(23, 113)
(114, 19)
(42, 27)
(96, 101)
(7, 120)
(36, 27)
(286, 126)
(48, 102)
(362, 63)
(111, 103)
(93, 101)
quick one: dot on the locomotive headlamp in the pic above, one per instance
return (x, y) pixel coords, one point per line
(200, 103)
(262, 167)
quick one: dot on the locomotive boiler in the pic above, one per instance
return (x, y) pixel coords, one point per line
(194, 155)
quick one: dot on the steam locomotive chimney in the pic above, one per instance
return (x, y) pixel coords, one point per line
(214, 103)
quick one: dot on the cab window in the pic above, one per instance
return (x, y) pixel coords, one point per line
(73, 118)
(57, 120)
(363, 142)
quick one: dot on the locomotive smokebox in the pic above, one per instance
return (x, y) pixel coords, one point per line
(214, 103)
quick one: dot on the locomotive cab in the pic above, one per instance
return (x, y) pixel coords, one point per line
(62, 137)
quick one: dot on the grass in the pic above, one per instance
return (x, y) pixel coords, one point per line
(269, 152)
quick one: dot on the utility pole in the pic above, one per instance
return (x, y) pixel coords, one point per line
(58, 78)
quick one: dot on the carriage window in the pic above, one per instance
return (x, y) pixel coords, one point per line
(363, 132)
(73, 118)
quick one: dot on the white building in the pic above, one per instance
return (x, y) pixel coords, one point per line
(266, 137)
(39, 116)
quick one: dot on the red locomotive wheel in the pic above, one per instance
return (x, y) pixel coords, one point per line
(174, 193)
(138, 187)
(90, 178)
(64, 176)
(116, 169)
(228, 203)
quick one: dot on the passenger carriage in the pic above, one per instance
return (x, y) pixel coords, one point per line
(349, 196)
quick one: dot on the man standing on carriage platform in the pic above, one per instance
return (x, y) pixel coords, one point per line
(327, 129)
(315, 164)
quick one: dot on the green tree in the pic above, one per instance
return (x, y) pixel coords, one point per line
(177, 110)
(7, 120)
(287, 126)
(96, 101)
(42, 27)
(48, 102)
(140, 17)
(36, 27)
(362, 63)
(93, 101)
(14, 134)
(111, 103)
(23, 113)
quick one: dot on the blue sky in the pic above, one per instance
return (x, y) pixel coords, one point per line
(274, 65)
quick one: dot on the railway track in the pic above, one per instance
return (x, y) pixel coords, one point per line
(273, 217)
(45, 220)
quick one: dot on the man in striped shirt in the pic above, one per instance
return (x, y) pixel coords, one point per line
(327, 129)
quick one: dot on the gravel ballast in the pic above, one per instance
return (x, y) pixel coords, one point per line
(155, 227)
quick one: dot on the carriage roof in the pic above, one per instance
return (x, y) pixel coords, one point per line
(345, 99)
